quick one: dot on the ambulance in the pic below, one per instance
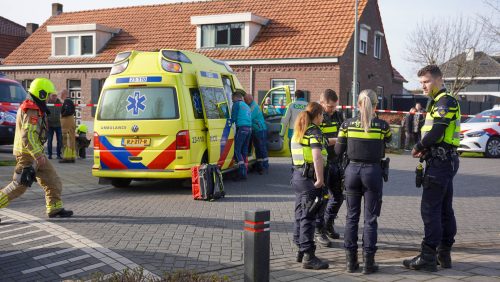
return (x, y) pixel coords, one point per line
(161, 113)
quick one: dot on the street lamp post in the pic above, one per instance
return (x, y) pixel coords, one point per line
(355, 61)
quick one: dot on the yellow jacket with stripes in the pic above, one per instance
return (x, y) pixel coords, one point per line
(302, 149)
(30, 130)
(363, 146)
(444, 109)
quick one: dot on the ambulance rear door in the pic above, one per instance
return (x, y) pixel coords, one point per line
(220, 132)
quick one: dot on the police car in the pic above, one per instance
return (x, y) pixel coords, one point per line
(11, 92)
(161, 113)
(481, 134)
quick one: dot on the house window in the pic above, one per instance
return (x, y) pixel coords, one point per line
(222, 35)
(75, 94)
(284, 82)
(363, 40)
(26, 83)
(380, 96)
(377, 49)
(74, 45)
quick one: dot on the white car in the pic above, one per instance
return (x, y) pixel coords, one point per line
(481, 134)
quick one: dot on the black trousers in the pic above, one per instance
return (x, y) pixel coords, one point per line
(436, 208)
(363, 180)
(333, 179)
(304, 225)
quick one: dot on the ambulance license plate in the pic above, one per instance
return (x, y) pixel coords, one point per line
(136, 142)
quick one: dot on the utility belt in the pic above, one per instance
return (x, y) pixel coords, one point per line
(384, 163)
(307, 170)
(442, 153)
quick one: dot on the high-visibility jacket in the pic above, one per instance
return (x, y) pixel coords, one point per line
(330, 128)
(292, 111)
(363, 146)
(302, 149)
(444, 109)
(31, 130)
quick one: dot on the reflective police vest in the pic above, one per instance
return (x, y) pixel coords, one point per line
(448, 115)
(302, 150)
(365, 146)
(330, 128)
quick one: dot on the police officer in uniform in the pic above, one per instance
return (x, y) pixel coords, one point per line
(364, 139)
(31, 163)
(308, 157)
(332, 120)
(440, 138)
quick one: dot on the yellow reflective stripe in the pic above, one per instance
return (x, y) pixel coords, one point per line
(361, 129)
(364, 135)
(329, 129)
(36, 146)
(4, 200)
(55, 206)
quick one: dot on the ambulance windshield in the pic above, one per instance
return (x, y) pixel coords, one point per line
(138, 104)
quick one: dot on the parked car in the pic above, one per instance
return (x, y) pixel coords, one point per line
(11, 91)
(481, 134)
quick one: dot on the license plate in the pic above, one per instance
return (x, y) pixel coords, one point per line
(136, 142)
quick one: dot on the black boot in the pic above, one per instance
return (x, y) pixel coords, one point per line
(330, 230)
(370, 266)
(62, 213)
(351, 258)
(299, 256)
(322, 239)
(444, 256)
(426, 261)
(311, 261)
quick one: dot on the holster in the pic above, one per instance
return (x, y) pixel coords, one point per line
(385, 168)
(308, 171)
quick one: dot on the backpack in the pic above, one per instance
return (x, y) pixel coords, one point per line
(207, 182)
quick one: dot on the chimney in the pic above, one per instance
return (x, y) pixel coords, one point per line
(31, 27)
(57, 9)
(469, 54)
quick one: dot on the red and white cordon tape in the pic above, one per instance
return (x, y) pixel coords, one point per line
(338, 107)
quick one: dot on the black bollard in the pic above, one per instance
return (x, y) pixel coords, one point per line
(257, 245)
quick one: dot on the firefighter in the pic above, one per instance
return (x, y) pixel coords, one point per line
(242, 117)
(308, 157)
(31, 163)
(292, 111)
(259, 135)
(363, 138)
(440, 139)
(68, 125)
(332, 120)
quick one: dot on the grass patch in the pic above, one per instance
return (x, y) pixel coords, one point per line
(137, 275)
(471, 155)
(8, 163)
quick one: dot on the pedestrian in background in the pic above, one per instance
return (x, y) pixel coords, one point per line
(68, 125)
(54, 125)
(363, 138)
(407, 124)
(242, 117)
(259, 135)
(418, 122)
(308, 158)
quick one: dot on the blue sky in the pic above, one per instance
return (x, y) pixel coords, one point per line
(399, 18)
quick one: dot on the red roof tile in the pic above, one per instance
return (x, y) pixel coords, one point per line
(298, 29)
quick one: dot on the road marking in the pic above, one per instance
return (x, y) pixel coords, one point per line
(32, 240)
(55, 253)
(105, 255)
(31, 249)
(78, 271)
(54, 264)
(20, 235)
(15, 229)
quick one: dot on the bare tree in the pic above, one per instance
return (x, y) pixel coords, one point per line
(449, 43)
(492, 22)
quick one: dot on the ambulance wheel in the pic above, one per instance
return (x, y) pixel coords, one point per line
(121, 182)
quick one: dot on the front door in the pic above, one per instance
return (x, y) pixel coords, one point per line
(274, 107)
(220, 133)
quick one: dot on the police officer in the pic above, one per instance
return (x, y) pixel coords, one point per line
(30, 136)
(308, 156)
(364, 139)
(259, 135)
(292, 111)
(242, 117)
(440, 138)
(332, 119)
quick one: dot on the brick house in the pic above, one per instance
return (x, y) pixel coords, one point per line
(12, 35)
(267, 43)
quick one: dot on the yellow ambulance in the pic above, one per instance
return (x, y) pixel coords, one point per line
(160, 114)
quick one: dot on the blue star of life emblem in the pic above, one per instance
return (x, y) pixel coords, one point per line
(136, 103)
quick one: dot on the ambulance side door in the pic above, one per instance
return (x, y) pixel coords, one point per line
(220, 132)
(273, 107)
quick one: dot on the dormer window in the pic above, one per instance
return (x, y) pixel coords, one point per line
(228, 30)
(80, 40)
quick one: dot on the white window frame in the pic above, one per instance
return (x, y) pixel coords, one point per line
(380, 35)
(79, 45)
(364, 28)
(228, 45)
(273, 80)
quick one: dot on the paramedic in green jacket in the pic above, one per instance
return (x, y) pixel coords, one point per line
(242, 117)
(259, 135)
